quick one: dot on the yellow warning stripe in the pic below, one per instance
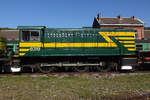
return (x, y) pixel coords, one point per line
(24, 49)
(79, 45)
(129, 45)
(31, 44)
(127, 41)
(119, 33)
(131, 49)
(66, 45)
(22, 54)
(15, 55)
(125, 38)
(106, 37)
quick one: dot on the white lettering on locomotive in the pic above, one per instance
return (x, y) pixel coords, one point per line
(35, 49)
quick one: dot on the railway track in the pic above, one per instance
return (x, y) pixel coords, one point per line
(71, 74)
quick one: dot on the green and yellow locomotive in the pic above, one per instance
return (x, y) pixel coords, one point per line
(79, 49)
(2, 51)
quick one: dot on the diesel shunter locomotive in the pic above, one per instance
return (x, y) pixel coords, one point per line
(84, 49)
(2, 51)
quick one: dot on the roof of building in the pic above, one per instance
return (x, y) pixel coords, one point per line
(10, 35)
(119, 20)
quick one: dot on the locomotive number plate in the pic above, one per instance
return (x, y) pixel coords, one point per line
(35, 49)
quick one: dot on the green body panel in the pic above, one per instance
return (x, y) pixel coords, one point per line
(72, 36)
(75, 52)
(77, 36)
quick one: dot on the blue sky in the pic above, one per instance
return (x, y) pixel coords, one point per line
(68, 13)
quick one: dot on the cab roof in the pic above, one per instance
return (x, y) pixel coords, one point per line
(72, 29)
(31, 27)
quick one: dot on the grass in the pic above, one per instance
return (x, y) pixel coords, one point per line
(72, 87)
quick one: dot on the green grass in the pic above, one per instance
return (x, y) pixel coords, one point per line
(71, 88)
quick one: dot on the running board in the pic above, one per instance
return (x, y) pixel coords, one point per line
(73, 64)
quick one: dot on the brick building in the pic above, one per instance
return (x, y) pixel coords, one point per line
(120, 22)
(147, 34)
(11, 35)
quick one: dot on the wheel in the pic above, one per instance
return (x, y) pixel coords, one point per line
(108, 67)
(7, 69)
(1, 68)
(134, 68)
(47, 69)
(95, 69)
(98, 68)
(66, 69)
(81, 69)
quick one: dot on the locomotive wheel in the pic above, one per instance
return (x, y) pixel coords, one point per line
(134, 69)
(108, 67)
(105, 69)
(0, 68)
(47, 69)
(81, 69)
(7, 69)
(66, 69)
(98, 69)
(95, 68)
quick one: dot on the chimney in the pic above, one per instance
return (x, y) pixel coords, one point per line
(120, 17)
(99, 17)
(133, 17)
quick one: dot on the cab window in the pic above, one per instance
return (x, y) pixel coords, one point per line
(32, 35)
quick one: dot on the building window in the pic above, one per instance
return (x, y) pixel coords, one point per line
(136, 35)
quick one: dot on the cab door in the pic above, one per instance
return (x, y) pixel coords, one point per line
(31, 42)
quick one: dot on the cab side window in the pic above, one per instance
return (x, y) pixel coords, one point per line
(35, 36)
(25, 35)
(31, 35)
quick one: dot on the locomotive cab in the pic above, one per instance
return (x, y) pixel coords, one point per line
(31, 39)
